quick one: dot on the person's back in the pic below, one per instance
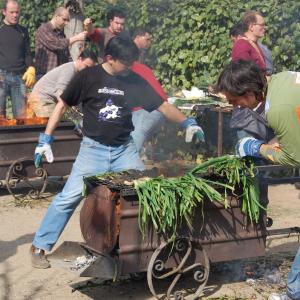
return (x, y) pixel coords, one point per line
(55, 81)
(283, 113)
(47, 90)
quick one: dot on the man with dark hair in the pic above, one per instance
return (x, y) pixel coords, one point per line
(116, 24)
(46, 91)
(51, 44)
(108, 93)
(142, 38)
(244, 84)
(16, 62)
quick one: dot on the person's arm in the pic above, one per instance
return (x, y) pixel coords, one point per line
(192, 130)
(56, 116)
(50, 40)
(171, 112)
(27, 50)
(80, 37)
(53, 42)
(29, 75)
(94, 34)
(46, 139)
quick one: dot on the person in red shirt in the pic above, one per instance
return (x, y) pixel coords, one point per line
(101, 36)
(146, 123)
(246, 47)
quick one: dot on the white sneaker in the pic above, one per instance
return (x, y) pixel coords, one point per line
(275, 296)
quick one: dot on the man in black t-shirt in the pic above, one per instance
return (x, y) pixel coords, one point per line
(108, 94)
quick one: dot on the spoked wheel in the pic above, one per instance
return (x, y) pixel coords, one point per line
(24, 180)
(176, 261)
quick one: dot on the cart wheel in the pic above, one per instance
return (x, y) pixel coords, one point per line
(24, 180)
(175, 261)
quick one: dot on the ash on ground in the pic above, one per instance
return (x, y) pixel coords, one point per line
(266, 274)
(83, 262)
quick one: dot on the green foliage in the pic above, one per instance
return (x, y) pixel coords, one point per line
(191, 43)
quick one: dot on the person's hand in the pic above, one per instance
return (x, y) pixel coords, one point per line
(81, 36)
(248, 146)
(29, 77)
(192, 131)
(43, 148)
(87, 22)
(88, 25)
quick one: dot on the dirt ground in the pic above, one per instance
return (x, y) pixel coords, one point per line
(18, 280)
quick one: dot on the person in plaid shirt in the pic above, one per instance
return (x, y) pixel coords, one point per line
(52, 46)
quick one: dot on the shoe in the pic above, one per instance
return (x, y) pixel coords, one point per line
(275, 296)
(297, 185)
(38, 258)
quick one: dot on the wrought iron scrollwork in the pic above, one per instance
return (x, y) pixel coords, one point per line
(23, 180)
(188, 258)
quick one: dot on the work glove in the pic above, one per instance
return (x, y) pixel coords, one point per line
(193, 132)
(248, 146)
(29, 77)
(43, 148)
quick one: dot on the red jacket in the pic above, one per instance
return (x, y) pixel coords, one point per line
(242, 49)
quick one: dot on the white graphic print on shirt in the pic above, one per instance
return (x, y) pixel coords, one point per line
(110, 112)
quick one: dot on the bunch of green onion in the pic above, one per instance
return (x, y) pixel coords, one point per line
(167, 203)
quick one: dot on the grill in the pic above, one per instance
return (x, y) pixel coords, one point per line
(109, 225)
(17, 145)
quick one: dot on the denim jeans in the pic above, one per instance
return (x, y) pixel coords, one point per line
(145, 125)
(93, 158)
(293, 284)
(11, 84)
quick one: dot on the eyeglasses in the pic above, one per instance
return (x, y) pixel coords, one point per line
(260, 24)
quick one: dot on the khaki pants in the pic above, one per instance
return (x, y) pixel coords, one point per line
(41, 107)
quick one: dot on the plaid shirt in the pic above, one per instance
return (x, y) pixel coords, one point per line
(51, 48)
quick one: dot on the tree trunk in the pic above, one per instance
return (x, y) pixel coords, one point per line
(75, 25)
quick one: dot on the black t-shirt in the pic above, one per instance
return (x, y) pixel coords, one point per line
(107, 103)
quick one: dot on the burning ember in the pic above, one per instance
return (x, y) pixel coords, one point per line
(28, 119)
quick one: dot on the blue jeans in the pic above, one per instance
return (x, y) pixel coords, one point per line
(11, 84)
(93, 158)
(293, 284)
(145, 125)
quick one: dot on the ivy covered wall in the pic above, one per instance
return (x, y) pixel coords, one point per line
(190, 37)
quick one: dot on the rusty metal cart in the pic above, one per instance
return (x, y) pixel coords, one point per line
(17, 145)
(114, 240)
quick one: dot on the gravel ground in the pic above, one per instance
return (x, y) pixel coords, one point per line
(248, 279)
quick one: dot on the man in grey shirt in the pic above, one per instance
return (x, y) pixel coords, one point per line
(44, 95)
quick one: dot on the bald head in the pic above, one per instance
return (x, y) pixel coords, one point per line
(60, 11)
(60, 18)
(11, 12)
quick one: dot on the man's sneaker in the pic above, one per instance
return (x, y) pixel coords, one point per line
(275, 296)
(38, 258)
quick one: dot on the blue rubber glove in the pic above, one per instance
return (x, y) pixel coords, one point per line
(192, 130)
(43, 148)
(248, 146)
